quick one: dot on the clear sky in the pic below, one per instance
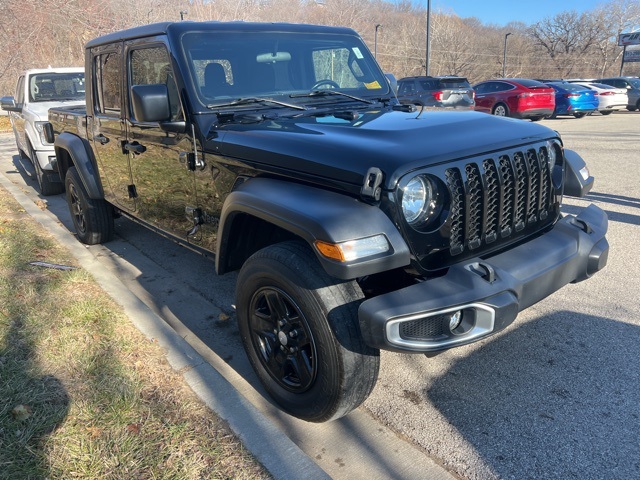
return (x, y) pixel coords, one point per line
(501, 12)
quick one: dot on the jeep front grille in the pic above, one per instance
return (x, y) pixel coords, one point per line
(495, 198)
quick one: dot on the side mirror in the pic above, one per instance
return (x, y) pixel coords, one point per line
(9, 104)
(151, 104)
(577, 181)
(47, 130)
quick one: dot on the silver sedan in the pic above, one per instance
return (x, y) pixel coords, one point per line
(611, 98)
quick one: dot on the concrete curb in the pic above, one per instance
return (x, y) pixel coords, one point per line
(267, 443)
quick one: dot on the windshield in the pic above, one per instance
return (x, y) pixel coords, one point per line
(228, 66)
(51, 87)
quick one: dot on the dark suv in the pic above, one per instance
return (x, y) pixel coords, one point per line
(446, 91)
(631, 85)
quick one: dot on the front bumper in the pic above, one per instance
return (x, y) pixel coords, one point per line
(488, 293)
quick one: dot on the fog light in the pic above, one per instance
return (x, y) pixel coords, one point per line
(455, 319)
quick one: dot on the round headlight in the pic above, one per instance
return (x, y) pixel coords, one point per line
(555, 159)
(551, 155)
(416, 199)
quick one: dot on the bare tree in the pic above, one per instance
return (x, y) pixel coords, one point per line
(37, 33)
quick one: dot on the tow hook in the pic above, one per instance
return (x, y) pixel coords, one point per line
(582, 225)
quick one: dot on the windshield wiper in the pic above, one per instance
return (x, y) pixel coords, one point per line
(250, 100)
(326, 93)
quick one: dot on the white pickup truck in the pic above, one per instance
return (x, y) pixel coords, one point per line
(37, 91)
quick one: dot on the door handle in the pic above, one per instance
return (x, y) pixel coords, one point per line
(134, 147)
(100, 138)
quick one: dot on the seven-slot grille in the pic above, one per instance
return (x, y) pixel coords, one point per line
(495, 198)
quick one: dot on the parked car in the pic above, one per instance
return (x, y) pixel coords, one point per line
(37, 91)
(445, 91)
(610, 98)
(631, 84)
(355, 224)
(573, 99)
(515, 97)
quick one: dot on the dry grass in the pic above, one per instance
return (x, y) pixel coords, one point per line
(83, 393)
(5, 124)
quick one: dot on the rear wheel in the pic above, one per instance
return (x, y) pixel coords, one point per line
(300, 329)
(92, 218)
(579, 114)
(501, 110)
(606, 112)
(537, 118)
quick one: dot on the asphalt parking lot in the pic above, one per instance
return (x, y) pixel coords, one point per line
(555, 395)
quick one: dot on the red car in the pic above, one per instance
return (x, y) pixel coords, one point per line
(515, 97)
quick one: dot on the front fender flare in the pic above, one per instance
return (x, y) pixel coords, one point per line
(575, 185)
(314, 214)
(83, 159)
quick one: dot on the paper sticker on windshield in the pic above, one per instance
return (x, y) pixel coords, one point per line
(357, 53)
(373, 85)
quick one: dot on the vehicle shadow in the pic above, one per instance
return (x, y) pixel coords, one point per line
(569, 395)
(616, 199)
(32, 406)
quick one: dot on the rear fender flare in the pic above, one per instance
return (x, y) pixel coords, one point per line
(82, 157)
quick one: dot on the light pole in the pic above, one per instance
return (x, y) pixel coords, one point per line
(375, 42)
(504, 55)
(182, 14)
(428, 36)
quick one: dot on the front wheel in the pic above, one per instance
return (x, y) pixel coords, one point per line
(300, 329)
(606, 112)
(92, 218)
(579, 114)
(537, 118)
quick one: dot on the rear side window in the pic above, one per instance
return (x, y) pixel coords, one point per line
(108, 98)
(428, 84)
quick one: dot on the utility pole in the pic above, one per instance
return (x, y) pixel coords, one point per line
(375, 42)
(504, 55)
(428, 35)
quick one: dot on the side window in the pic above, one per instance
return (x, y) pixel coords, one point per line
(20, 90)
(152, 66)
(406, 88)
(482, 88)
(500, 87)
(108, 98)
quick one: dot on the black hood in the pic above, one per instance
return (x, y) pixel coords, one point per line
(396, 142)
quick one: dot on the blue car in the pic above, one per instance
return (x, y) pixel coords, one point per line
(572, 99)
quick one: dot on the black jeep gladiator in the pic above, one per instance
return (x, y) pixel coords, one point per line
(357, 223)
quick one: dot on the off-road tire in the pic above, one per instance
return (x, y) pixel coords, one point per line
(92, 218)
(300, 329)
